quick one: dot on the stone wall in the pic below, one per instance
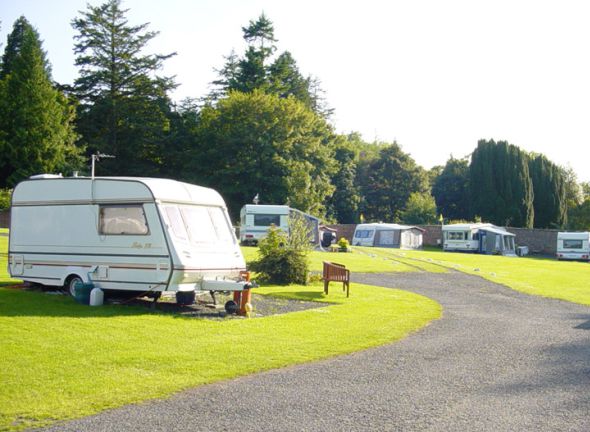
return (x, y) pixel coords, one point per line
(343, 230)
(539, 241)
(4, 218)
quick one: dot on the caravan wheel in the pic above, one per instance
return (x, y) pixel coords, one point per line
(71, 281)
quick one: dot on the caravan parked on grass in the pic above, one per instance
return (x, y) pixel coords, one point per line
(388, 235)
(573, 246)
(143, 235)
(256, 219)
(483, 238)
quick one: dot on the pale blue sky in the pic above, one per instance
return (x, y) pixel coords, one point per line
(434, 75)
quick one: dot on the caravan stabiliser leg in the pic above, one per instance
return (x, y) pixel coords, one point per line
(157, 296)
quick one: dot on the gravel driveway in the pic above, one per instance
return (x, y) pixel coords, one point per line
(497, 361)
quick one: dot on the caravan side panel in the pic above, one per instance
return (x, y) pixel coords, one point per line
(55, 242)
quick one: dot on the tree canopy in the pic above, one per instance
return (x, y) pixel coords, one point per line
(257, 143)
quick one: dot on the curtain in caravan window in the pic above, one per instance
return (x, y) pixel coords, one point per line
(207, 225)
(122, 220)
(176, 223)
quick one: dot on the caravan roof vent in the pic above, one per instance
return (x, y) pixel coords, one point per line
(45, 176)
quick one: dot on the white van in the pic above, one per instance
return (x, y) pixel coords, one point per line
(573, 246)
(134, 234)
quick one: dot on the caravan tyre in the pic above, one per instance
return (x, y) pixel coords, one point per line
(71, 283)
(231, 307)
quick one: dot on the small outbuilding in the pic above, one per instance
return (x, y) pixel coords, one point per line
(388, 235)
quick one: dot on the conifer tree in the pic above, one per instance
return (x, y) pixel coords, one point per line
(124, 105)
(550, 194)
(500, 185)
(36, 120)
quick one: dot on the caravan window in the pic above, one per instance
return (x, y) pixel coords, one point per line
(176, 223)
(457, 235)
(572, 244)
(267, 220)
(122, 220)
(364, 234)
(207, 225)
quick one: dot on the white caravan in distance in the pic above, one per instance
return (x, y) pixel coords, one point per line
(256, 219)
(143, 235)
(573, 246)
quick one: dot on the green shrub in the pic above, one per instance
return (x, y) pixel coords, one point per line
(280, 263)
(5, 198)
(343, 243)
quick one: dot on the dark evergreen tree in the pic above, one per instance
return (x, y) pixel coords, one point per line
(500, 185)
(36, 120)
(451, 190)
(124, 106)
(550, 194)
(387, 183)
(285, 80)
(256, 71)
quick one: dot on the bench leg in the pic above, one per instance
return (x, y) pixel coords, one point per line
(326, 282)
(347, 288)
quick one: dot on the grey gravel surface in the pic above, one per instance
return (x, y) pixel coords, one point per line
(497, 361)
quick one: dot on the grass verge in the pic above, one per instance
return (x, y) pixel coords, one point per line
(563, 280)
(60, 360)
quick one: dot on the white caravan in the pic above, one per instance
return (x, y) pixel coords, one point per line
(462, 237)
(256, 219)
(573, 246)
(481, 238)
(135, 234)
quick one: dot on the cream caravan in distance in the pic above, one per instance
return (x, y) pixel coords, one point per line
(123, 233)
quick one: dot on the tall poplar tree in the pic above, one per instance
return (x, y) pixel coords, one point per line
(550, 201)
(124, 105)
(500, 184)
(36, 120)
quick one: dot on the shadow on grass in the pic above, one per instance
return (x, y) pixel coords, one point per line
(17, 302)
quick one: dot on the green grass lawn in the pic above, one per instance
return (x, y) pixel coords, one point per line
(5, 279)
(362, 260)
(564, 280)
(60, 360)
(547, 277)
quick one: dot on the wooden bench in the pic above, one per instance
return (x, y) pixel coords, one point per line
(334, 272)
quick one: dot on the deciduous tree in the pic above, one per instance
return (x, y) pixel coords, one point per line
(451, 190)
(256, 143)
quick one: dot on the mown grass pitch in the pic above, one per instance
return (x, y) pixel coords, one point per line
(60, 360)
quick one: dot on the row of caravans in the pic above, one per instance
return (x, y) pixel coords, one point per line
(489, 239)
(134, 234)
